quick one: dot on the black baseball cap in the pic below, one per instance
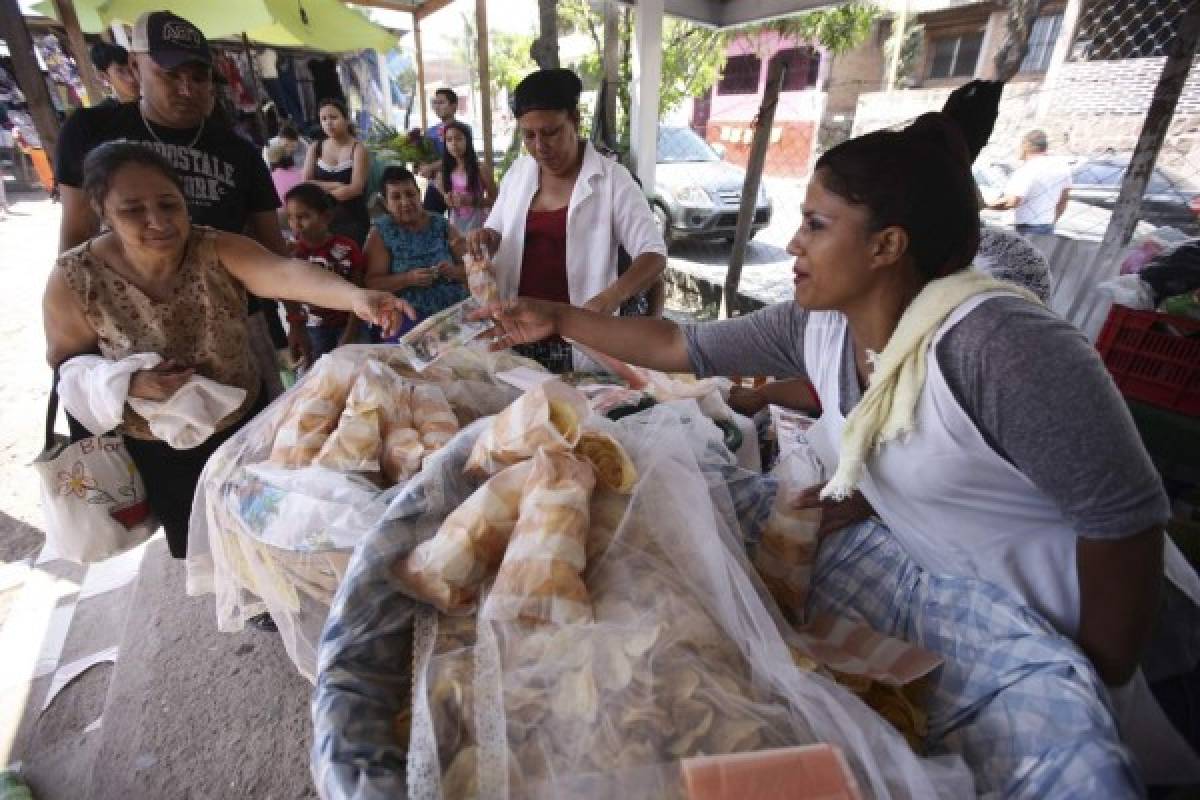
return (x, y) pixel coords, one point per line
(170, 40)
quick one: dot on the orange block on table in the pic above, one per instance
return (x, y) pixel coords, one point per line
(813, 772)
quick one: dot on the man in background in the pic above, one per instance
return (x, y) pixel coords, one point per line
(1037, 191)
(445, 105)
(112, 61)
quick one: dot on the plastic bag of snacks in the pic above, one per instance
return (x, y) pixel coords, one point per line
(272, 531)
(683, 654)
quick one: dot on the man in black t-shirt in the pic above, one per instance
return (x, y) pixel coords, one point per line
(225, 181)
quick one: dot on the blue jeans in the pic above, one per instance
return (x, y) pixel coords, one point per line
(1028, 229)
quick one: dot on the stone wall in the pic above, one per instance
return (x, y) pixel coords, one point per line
(1093, 107)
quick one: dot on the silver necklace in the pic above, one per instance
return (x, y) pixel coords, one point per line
(150, 130)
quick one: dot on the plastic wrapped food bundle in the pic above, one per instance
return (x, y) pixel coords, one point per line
(549, 416)
(267, 537)
(685, 656)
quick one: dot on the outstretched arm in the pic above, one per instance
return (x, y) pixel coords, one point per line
(653, 343)
(268, 275)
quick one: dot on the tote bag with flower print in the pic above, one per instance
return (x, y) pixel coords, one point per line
(92, 495)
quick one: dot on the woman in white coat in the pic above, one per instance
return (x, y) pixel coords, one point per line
(563, 211)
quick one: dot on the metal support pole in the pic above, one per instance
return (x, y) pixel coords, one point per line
(485, 87)
(754, 169)
(420, 73)
(612, 70)
(647, 79)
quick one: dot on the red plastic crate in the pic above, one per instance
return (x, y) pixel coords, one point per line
(1153, 357)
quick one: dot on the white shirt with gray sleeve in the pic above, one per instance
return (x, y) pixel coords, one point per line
(1031, 382)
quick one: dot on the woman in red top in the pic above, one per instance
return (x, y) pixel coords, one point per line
(563, 213)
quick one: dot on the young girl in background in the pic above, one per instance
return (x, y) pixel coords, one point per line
(412, 253)
(468, 190)
(310, 210)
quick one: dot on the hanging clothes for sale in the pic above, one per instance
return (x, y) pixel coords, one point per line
(239, 92)
(304, 83)
(66, 88)
(325, 79)
(288, 89)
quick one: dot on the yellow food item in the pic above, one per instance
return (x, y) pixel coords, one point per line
(614, 468)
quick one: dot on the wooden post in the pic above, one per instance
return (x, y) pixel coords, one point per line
(485, 87)
(29, 76)
(79, 48)
(1180, 53)
(754, 169)
(420, 73)
(256, 86)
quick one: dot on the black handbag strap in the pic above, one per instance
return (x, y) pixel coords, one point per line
(52, 411)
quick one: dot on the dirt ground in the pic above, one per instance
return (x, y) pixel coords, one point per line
(28, 245)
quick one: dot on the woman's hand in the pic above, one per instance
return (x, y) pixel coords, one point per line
(422, 277)
(482, 242)
(746, 401)
(383, 309)
(835, 514)
(161, 382)
(603, 303)
(451, 271)
(519, 321)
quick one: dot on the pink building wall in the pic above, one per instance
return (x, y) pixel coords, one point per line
(797, 115)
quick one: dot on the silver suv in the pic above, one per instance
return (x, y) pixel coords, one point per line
(697, 195)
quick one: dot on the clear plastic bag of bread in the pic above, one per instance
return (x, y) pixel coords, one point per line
(355, 445)
(433, 417)
(312, 411)
(541, 576)
(481, 280)
(448, 570)
(548, 417)
(785, 554)
(682, 656)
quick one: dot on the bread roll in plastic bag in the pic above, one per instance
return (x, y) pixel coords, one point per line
(313, 412)
(785, 555)
(481, 282)
(549, 416)
(432, 416)
(355, 444)
(447, 570)
(540, 578)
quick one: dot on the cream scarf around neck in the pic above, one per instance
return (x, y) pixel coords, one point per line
(888, 408)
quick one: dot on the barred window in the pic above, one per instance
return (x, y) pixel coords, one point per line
(804, 65)
(740, 75)
(1117, 29)
(955, 56)
(1041, 43)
